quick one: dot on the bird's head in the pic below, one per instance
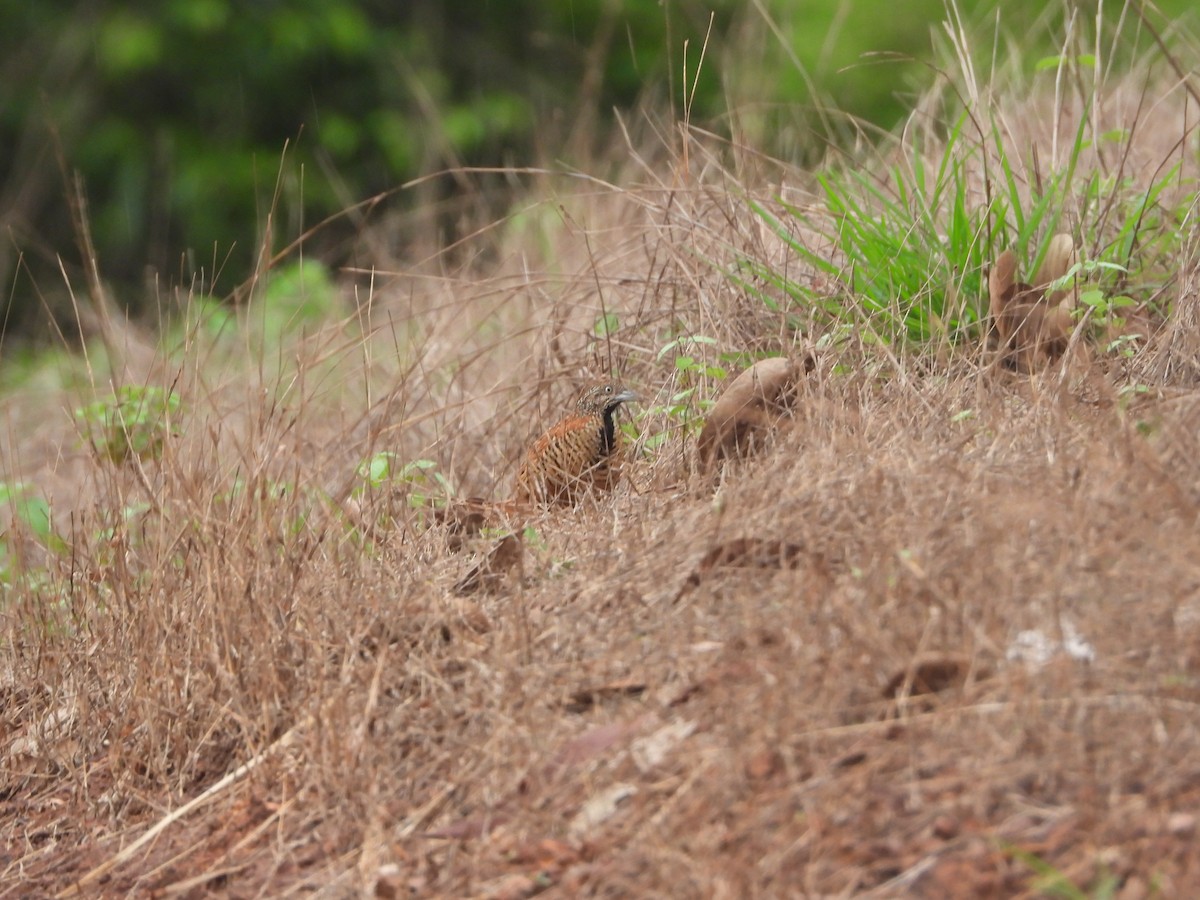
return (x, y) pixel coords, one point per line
(604, 398)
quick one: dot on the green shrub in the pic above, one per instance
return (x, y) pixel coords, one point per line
(134, 422)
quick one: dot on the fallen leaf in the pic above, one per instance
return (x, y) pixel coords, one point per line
(599, 809)
(763, 763)
(595, 741)
(514, 887)
(930, 673)
(466, 829)
(650, 751)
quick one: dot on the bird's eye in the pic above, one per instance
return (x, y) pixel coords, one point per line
(608, 389)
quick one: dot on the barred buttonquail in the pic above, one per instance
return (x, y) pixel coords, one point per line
(577, 455)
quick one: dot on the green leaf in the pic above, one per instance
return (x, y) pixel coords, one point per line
(35, 512)
(128, 43)
(136, 419)
(414, 470)
(11, 490)
(607, 324)
(378, 468)
(1093, 264)
(1083, 60)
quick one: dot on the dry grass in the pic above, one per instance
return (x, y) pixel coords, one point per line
(224, 682)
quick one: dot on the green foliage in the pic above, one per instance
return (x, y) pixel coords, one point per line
(606, 325)
(205, 317)
(533, 539)
(41, 369)
(902, 259)
(687, 364)
(1137, 259)
(31, 511)
(191, 120)
(683, 411)
(1103, 305)
(833, 69)
(297, 294)
(424, 485)
(30, 516)
(831, 61)
(1082, 61)
(134, 421)
(910, 253)
(383, 482)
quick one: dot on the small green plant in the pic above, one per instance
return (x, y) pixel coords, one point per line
(32, 512)
(30, 516)
(606, 325)
(384, 483)
(1102, 304)
(1097, 298)
(533, 539)
(682, 408)
(427, 487)
(135, 421)
(1127, 393)
(686, 362)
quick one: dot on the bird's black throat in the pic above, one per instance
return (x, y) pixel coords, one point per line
(608, 430)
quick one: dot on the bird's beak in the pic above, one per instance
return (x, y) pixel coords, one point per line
(624, 397)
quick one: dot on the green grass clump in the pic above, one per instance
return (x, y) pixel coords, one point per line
(898, 247)
(134, 422)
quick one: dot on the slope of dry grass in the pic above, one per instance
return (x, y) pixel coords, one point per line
(942, 638)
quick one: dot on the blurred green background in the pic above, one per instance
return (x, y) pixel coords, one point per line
(189, 120)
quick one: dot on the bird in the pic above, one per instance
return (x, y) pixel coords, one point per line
(577, 455)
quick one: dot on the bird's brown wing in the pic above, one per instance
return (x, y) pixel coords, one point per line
(566, 462)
